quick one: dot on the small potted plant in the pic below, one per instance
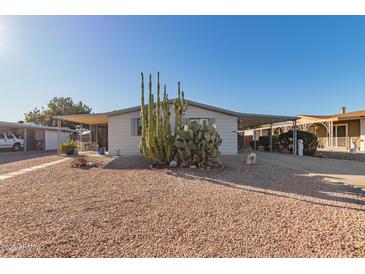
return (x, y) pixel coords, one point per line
(101, 150)
(68, 148)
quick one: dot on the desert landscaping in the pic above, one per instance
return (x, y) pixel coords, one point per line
(122, 208)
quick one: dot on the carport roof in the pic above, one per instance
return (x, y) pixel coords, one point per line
(32, 126)
(247, 120)
(88, 119)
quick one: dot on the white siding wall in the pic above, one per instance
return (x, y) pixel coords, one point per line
(226, 126)
(120, 136)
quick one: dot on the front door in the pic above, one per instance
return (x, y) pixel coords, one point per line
(340, 134)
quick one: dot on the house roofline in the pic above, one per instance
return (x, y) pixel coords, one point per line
(204, 106)
(240, 116)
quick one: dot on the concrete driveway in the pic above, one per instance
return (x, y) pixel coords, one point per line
(333, 170)
(9, 157)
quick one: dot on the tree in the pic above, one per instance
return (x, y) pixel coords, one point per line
(56, 106)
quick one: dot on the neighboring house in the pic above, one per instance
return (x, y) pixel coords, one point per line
(31, 137)
(123, 127)
(337, 132)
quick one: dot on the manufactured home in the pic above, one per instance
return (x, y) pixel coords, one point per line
(119, 131)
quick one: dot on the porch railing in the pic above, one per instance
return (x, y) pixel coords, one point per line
(339, 143)
(86, 146)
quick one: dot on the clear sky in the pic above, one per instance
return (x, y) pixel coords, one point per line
(260, 64)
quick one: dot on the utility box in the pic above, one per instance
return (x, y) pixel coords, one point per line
(300, 147)
(353, 147)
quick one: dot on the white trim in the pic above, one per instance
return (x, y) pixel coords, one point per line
(362, 135)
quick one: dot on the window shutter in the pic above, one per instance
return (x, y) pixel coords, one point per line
(133, 126)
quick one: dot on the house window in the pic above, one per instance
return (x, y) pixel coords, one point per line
(139, 126)
(202, 120)
(136, 127)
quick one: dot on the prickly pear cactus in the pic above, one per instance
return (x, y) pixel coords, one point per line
(198, 145)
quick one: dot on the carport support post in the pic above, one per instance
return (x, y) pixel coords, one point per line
(96, 135)
(254, 138)
(270, 136)
(81, 131)
(294, 137)
(58, 136)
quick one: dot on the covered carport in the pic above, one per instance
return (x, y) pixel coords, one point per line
(253, 121)
(32, 137)
(97, 124)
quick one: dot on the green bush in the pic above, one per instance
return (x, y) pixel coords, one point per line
(310, 141)
(252, 144)
(68, 147)
(265, 142)
(198, 145)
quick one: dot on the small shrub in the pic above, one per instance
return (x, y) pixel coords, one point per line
(252, 144)
(310, 141)
(198, 145)
(265, 142)
(68, 147)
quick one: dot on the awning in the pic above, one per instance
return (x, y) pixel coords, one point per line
(88, 119)
(247, 120)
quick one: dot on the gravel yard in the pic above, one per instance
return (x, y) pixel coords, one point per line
(238, 211)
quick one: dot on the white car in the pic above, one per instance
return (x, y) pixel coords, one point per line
(10, 140)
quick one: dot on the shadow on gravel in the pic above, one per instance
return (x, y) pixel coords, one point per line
(128, 162)
(278, 181)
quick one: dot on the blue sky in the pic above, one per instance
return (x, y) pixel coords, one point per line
(260, 64)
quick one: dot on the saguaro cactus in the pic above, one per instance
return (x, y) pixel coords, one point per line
(180, 106)
(156, 140)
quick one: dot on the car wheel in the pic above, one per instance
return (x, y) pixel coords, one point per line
(16, 147)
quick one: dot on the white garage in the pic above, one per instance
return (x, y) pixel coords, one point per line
(51, 139)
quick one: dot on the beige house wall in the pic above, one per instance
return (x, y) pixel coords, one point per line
(353, 127)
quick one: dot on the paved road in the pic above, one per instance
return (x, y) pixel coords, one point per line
(8, 157)
(344, 171)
